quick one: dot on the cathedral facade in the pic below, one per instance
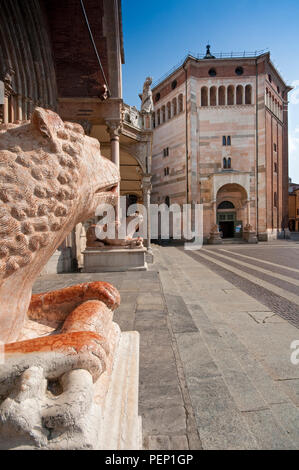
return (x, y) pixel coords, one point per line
(221, 140)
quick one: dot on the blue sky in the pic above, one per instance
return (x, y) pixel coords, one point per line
(159, 33)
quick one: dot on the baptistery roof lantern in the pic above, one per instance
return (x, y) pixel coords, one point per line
(208, 53)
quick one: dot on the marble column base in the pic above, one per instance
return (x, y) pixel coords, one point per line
(250, 237)
(114, 260)
(215, 239)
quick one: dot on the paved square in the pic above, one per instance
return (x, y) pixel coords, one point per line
(215, 369)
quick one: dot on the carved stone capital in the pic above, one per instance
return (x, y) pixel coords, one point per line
(114, 127)
(87, 126)
(146, 184)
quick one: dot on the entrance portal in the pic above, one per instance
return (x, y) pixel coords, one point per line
(226, 218)
(227, 229)
(232, 210)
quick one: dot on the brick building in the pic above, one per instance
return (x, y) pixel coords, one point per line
(221, 139)
(293, 206)
(67, 56)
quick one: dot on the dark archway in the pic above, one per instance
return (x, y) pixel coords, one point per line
(226, 205)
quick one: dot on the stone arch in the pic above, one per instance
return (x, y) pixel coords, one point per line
(163, 114)
(239, 94)
(131, 174)
(180, 103)
(26, 54)
(213, 96)
(204, 96)
(168, 110)
(174, 107)
(232, 210)
(226, 205)
(248, 94)
(231, 95)
(232, 192)
(221, 96)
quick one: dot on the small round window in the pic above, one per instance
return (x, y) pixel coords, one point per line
(212, 73)
(239, 71)
(174, 84)
(157, 97)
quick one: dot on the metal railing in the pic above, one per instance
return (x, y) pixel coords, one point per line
(217, 55)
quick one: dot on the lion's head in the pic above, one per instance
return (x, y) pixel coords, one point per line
(51, 177)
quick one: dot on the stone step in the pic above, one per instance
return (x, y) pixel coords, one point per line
(254, 401)
(234, 241)
(294, 236)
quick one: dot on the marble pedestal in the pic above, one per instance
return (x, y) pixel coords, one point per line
(114, 259)
(90, 416)
(215, 239)
(250, 237)
(121, 426)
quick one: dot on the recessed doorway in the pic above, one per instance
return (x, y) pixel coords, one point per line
(226, 217)
(227, 229)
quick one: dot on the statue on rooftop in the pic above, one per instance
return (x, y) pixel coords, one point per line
(147, 105)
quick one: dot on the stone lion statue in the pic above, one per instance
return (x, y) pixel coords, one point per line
(52, 177)
(132, 225)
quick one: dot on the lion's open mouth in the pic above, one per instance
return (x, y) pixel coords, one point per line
(111, 189)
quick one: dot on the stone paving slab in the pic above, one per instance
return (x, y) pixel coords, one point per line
(237, 365)
(215, 369)
(143, 308)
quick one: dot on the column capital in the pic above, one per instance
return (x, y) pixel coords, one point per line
(114, 127)
(146, 184)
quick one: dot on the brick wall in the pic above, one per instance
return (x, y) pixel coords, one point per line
(77, 69)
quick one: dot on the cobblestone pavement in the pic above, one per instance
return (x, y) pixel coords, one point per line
(215, 333)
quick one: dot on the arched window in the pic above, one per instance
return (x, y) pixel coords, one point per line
(230, 95)
(213, 96)
(226, 205)
(168, 110)
(204, 96)
(228, 140)
(224, 140)
(229, 163)
(239, 94)
(158, 117)
(180, 102)
(167, 201)
(174, 107)
(248, 94)
(163, 114)
(221, 96)
(154, 120)
(224, 163)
